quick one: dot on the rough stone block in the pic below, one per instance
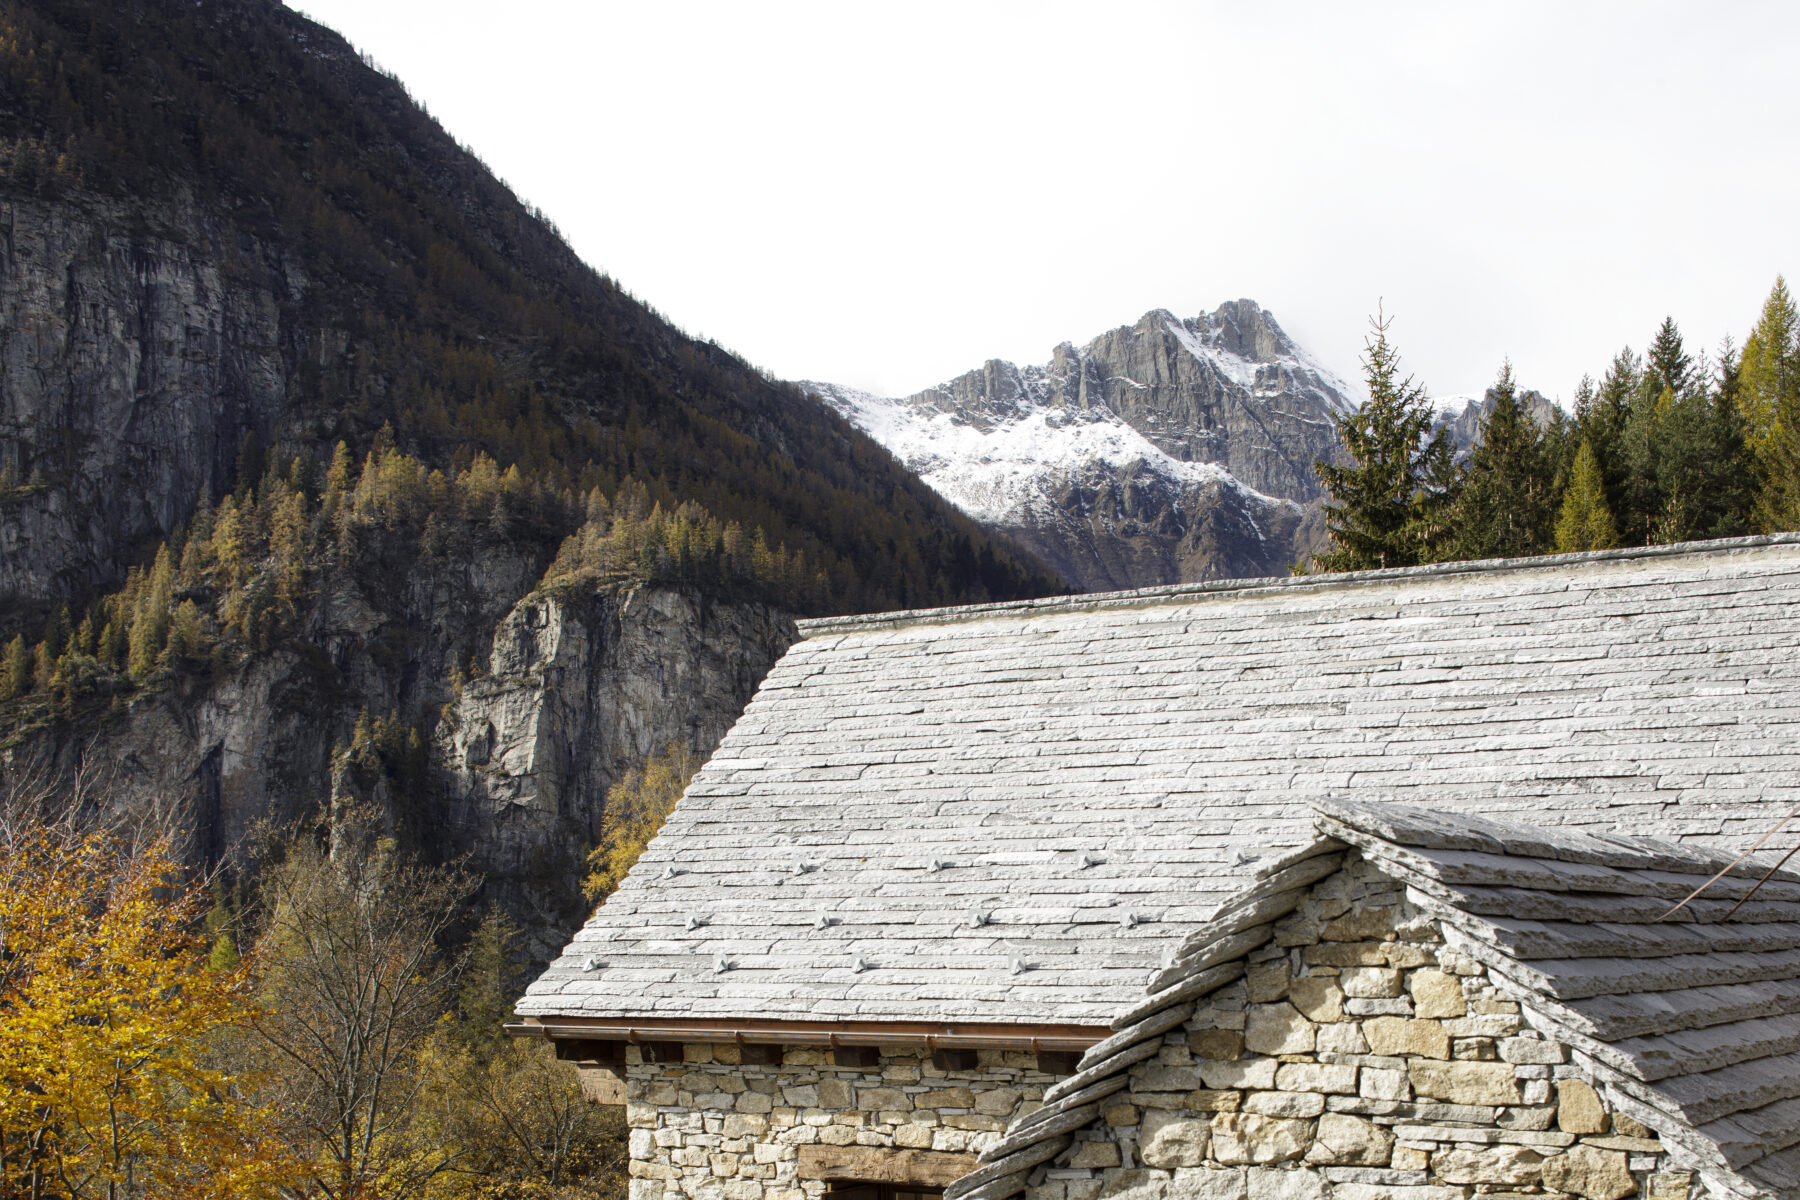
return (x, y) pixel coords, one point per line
(1664, 1185)
(1465, 1082)
(1267, 981)
(1245, 1073)
(1436, 995)
(836, 1094)
(952, 1097)
(1246, 1138)
(1400, 1037)
(1277, 1029)
(915, 1137)
(1223, 1045)
(997, 1102)
(1366, 924)
(1345, 1037)
(745, 1125)
(1370, 983)
(1284, 1104)
(1329, 1078)
(1344, 1140)
(1279, 1183)
(1165, 1079)
(1380, 1083)
(1346, 954)
(1175, 1144)
(1318, 997)
(1209, 1101)
(1120, 1116)
(1590, 1173)
(1513, 1166)
(1578, 1108)
(1540, 1051)
(1095, 1156)
(754, 1102)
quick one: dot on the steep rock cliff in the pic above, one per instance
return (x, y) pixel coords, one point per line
(139, 343)
(579, 688)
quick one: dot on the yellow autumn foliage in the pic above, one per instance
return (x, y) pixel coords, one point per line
(108, 1010)
(636, 807)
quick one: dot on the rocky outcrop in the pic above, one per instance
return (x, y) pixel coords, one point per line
(1166, 451)
(579, 689)
(1113, 529)
(139, 343)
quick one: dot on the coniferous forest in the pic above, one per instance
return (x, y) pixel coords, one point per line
(1668, 446)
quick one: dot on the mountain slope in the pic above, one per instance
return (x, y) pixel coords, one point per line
(224, 229)
(329, 474)
(1168, 450)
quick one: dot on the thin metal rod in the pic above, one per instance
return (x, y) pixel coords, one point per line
(1771, 872)
(1734, 862)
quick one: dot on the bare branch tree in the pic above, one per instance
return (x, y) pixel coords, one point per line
(356, 979)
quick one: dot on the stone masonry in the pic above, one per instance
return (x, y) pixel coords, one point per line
(712, 1128)
(1359, 1059)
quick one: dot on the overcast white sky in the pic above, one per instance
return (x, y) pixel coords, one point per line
(886, 195)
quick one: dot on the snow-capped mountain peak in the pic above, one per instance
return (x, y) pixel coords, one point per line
(1170, 449)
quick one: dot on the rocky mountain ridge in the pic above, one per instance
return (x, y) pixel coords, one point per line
(1168, 450)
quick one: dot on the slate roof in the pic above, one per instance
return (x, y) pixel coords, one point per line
(1011, 813)
(1693, 1021)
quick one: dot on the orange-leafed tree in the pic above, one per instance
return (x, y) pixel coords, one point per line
(108, 1015)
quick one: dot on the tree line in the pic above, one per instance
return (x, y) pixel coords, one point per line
(1667, 446)
(244, 576)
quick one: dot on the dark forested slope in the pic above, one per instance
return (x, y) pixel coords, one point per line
(227, 238)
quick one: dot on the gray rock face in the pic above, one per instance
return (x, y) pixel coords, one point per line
(136, 350)
(1114, 529)
(1169, 450)
(1463, 416)
(579, 690)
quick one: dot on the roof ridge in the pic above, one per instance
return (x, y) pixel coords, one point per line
(1170, 593)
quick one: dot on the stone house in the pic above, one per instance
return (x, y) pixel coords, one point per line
(896, 938)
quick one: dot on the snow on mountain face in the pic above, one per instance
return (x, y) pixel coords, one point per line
(1167, 450)
(1002, 471)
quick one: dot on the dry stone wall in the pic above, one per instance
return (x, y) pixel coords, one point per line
(1360, 1059)
(713, 1128)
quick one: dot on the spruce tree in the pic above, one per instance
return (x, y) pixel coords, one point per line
(1386, 508)
(1668, 360)
(1506, 506)
(1585, 522)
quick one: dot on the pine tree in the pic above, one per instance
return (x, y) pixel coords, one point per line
(1585, 523)
(1506, 506)
(1386, 508)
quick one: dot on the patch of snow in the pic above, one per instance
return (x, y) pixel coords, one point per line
(1297, 364)
(1002, 473)
(1455, 405)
